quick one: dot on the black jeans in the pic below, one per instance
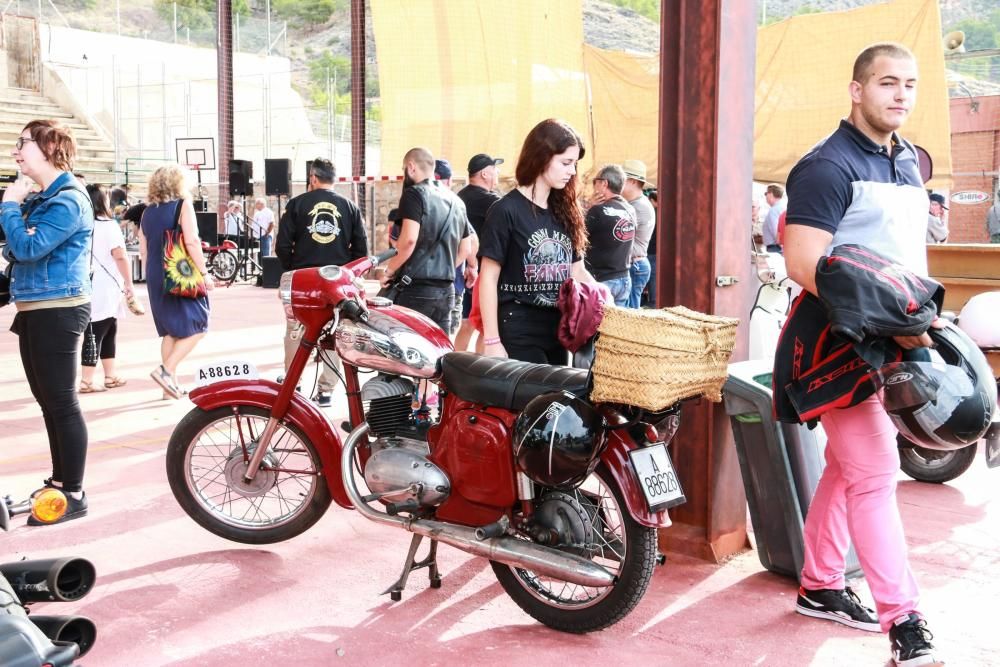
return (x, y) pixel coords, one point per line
(49, 341)
(528, 333)
(434, 301)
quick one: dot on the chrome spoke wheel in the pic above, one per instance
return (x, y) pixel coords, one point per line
(605, 545)
(601, 529)
(207, 475)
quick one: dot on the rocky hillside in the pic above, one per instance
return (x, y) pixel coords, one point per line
(618, 29)
(952, 11)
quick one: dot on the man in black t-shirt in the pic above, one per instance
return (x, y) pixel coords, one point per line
(434, 238)
(479, 195)
(610, 230)
(318, 227)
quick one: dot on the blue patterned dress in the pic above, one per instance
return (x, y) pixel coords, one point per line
(174, 316)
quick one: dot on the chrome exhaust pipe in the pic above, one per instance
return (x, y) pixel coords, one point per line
(544, 561)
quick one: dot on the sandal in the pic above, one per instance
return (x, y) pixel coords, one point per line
(166, 381)
(89, 388)
(114, 381)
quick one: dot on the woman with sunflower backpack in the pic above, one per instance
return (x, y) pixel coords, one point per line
(181, 321)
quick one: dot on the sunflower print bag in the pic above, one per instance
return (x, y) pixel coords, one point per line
(180, 276)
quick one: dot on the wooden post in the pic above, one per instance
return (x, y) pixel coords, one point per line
(705, 172)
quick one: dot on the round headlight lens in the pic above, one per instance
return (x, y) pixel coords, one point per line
(48, 505)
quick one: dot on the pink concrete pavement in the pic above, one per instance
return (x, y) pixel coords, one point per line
(169, 593)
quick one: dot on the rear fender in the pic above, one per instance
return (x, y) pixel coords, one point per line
(615, 459)
(301, 413)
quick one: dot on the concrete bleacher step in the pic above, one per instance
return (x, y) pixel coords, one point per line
(95, 152)
(21, 101)
(30, 114)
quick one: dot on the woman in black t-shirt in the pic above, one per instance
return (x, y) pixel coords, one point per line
(534, 239)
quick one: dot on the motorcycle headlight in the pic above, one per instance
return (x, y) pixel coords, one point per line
(285, 293)
(48, 505)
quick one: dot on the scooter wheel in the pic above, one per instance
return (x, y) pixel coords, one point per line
(934, 466)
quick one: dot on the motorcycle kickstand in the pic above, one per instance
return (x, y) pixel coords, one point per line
(430, 562)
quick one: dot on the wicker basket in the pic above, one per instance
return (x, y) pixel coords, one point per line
(654, 358)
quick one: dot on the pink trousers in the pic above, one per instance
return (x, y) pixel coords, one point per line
(855, 502)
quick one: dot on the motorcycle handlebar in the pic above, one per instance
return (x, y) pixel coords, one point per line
(353, 310)
(384, 257)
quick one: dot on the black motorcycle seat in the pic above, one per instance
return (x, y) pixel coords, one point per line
(506, 383)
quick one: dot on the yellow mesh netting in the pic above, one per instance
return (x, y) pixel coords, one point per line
(804, 67)
(625, 111)
(474, 76)
(461, 78)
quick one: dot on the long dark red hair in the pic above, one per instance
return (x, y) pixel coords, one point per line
(547, 139)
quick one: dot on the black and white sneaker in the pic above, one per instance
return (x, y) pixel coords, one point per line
(840, 605)
(911, 642)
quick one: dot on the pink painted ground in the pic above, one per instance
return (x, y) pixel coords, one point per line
(170, 593)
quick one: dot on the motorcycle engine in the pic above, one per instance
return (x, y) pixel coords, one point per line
(398, 469)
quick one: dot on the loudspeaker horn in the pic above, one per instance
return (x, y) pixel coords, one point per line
(954, 42)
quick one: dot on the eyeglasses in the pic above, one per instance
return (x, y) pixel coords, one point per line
(21, 141)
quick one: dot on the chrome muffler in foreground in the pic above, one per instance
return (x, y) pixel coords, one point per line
(544, 561)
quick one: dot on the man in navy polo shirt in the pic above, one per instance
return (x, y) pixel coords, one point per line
(862, 185)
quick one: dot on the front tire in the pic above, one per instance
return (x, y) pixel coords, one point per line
(620, 544)
(205, 463)
(224, 266)
(931, 465)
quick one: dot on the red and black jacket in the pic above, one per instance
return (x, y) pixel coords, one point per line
(831, 346)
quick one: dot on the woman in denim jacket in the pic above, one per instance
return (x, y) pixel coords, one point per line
(48, 241)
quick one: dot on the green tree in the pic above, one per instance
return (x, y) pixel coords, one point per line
(807, 9)
(338, 68)
(979, 34)
(305, 13)
(648, 8)
(195, 14)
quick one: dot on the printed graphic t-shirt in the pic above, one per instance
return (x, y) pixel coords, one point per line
(533, 249)
(610, 228)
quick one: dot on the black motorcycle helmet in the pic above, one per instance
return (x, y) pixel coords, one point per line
(944, 400)
(558, 439)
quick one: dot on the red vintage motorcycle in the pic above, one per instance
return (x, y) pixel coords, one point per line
(563, 497)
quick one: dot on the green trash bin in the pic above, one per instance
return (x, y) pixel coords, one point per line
(781, 465)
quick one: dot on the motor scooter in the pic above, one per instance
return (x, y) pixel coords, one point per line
(32, 640)
(767, 317)
(256, 462)
(222, 260)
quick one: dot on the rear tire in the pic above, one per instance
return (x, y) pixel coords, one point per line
(205, 461)
(933, 466)
(609, 605)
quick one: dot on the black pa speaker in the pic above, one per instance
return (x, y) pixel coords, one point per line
(278, 176)
(240, 178)
(271, 271)
(208, 227)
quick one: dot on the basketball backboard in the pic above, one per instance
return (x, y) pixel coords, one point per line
(196, 153)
